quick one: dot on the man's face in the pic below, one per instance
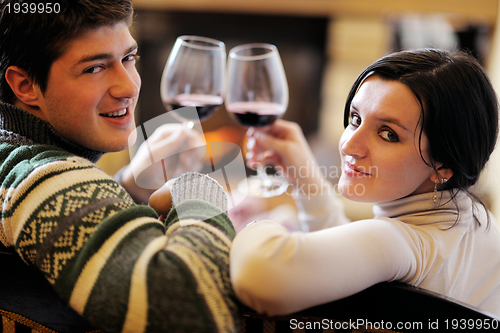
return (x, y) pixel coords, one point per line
(92, 89)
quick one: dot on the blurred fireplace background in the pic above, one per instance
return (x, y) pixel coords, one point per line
(322, 55)
(300, 40)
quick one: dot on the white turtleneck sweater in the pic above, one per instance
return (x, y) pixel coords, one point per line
(412, 240)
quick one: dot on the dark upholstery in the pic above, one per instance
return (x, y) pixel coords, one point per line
(27, 298)
(381, 308)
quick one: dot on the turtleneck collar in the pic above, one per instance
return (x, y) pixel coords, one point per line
(420, 209)
(20, 126)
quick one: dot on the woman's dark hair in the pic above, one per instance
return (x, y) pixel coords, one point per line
(459, 107)
(33, 34)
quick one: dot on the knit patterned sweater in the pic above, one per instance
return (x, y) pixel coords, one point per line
(113, 261)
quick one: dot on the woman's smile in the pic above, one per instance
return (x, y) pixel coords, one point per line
(356, 171)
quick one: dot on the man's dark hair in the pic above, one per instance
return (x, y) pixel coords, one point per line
(33, 40)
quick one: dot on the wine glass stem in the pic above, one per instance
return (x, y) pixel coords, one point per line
(262, 174)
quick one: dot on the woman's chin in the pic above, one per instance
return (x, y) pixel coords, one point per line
(354, 192)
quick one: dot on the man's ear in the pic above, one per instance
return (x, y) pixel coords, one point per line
(22, 85)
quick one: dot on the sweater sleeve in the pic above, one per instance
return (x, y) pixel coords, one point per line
(113, 261)
(320, 208)
(277, 272)
(194, 185)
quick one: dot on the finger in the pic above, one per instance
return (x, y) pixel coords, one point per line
(194, 139)
(269, 142)
(169, 145)
(161, 200)
(250, 144)
(252, 161)
(166, 130)
(250, 131)
(266, 158)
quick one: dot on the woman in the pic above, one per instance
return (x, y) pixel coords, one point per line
(419, 128)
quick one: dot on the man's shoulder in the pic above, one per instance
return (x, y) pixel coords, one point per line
(19, 161)
(38, 152)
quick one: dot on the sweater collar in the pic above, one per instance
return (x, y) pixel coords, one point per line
(20, 126)
(420, 209)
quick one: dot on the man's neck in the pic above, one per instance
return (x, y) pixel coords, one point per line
(19, 126)
(33, 110)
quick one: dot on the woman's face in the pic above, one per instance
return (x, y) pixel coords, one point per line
(381, 159)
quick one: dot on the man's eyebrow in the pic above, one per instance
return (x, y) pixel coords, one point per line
(103, 56)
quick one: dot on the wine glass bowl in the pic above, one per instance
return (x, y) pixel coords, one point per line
(257, 95)
(257, 91)
(194, 75)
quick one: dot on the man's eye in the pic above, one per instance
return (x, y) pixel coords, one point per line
(93, 70)
(131, 57)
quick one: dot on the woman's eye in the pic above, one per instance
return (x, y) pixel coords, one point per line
(355, 120)
(388, 135)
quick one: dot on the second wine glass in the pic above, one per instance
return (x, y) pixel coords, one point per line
(257, 94)
(194, 76)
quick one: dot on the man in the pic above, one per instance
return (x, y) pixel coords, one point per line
(69, 88)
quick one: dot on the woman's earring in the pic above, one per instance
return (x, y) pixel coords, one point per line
(435, 195)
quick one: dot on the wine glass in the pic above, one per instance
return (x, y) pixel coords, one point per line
(192, 86)
(257, 94)
(194, 76)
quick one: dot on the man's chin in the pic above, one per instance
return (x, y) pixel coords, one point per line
(114, 148)
(111, 143)
(106, 147)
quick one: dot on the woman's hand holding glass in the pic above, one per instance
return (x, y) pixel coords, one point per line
(284, 145)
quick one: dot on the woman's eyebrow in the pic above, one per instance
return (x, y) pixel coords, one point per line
(392, 121)
(385, 119)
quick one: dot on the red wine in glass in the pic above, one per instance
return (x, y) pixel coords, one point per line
(255, 114)
(205, 104)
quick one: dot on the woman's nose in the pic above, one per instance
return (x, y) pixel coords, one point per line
(354, 143)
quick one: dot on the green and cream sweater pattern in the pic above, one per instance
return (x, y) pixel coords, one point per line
(113, 261)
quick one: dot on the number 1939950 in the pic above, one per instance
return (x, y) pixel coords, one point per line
(472, 324)
(32, 8)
